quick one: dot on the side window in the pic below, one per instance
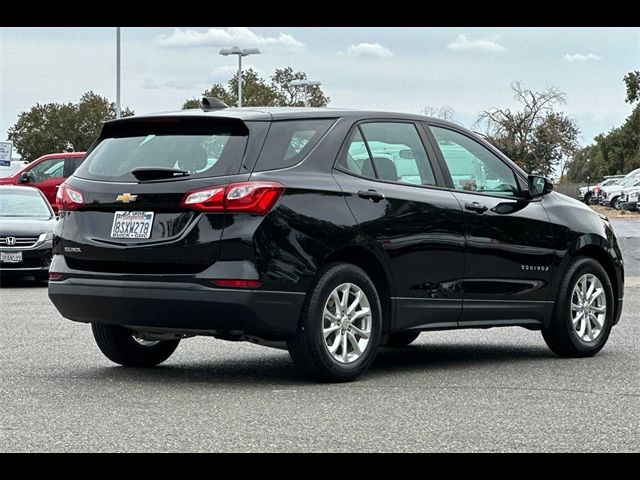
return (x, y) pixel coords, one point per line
(47, 170)
(395, 153)
(289, 141)
(357, 158)
(472, 166)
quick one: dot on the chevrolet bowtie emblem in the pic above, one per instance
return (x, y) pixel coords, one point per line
(126, 198)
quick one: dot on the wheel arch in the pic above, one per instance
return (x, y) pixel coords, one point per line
(368, 261)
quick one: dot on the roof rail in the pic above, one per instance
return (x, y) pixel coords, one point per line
(213, 103)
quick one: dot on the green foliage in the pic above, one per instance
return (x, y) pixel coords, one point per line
(257, 92)
(616, 152)
(56, 127)
(536, 137)
(632, 81)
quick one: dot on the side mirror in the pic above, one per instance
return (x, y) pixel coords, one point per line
(24, 178)
(539, 186)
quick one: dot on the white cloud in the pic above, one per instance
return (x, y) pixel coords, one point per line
(151, 84)
(225, 37)
(580, 57)
(368, 50)
(462, 42)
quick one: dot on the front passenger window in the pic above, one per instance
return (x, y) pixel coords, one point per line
(472, 166)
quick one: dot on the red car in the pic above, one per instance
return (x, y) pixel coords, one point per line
(47, 173)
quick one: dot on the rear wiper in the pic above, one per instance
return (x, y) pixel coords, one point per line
(145, 174)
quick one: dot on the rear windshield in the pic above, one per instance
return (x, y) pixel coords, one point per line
(201, 147)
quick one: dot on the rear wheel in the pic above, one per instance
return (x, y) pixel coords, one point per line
(122, 346)
(584, 309)
(587, 198)
(401, 339)
(340, 326)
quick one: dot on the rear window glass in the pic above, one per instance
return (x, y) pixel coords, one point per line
(202, 148)
(289, 141)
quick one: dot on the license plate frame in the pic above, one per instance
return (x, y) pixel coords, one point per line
(11, 257)
(132, 225)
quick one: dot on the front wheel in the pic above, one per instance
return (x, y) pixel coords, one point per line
(615, 203)
(584, 311)
(122, 346)
(340, 325)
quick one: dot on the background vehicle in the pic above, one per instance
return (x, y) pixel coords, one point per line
(610, 195)
(629, 199)
(586, 194)
(26, 232)
(47, 173)
(328, 232)
(15, 166)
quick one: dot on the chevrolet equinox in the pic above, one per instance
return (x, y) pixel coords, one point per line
(324, 231)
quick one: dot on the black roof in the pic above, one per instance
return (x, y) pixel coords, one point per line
(289, 113)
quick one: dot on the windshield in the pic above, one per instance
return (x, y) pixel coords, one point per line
(23, 204)
(199, 149)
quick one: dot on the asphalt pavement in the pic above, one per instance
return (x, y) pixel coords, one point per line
(468, 390)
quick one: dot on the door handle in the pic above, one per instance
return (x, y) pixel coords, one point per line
(371, 195)
(476, 207)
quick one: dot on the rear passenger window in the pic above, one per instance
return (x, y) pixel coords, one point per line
(389, 151)
(289, 141)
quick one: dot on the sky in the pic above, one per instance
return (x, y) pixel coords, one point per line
(392, 69)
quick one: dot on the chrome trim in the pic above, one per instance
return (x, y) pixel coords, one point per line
(39, 242)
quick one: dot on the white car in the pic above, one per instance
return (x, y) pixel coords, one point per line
(610, 195)
(585, 193)
(629, 199)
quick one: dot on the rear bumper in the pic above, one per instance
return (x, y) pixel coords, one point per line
(181, 306)
(34, 260)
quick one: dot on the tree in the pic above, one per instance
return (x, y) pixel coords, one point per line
(445, 112)
(536, 137)
(632, 80)
(616, 152)
(57, 127)
(256, 92)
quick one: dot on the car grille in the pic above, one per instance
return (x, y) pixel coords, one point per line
(17, 241)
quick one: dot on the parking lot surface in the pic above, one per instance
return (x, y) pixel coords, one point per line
(471, 390)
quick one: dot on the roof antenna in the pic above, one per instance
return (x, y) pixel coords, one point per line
(213, 103)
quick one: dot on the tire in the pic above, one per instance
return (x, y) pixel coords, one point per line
(587, 198)
(308, 348)
(118, 345)
(615, 203)
(560, 335)
(401, 339)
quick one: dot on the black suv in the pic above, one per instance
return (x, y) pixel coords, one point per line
(328, 232)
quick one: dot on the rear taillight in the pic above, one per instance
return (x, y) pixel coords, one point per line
(69, 198)
(242, 197)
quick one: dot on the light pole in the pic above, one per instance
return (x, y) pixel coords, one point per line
(305, 84)
(117, 72)
(240, 52)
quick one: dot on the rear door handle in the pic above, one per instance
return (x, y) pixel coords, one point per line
(371, 195)
(476, 207)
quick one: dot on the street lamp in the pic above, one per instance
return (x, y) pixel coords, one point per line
(240, 53)
(118, 72)
(305, 84)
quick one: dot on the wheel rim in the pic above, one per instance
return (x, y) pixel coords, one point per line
(143, 342)
(346, 323)
(588, 307)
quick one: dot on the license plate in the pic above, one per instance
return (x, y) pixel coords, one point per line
(132, 225)
(11, 257)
